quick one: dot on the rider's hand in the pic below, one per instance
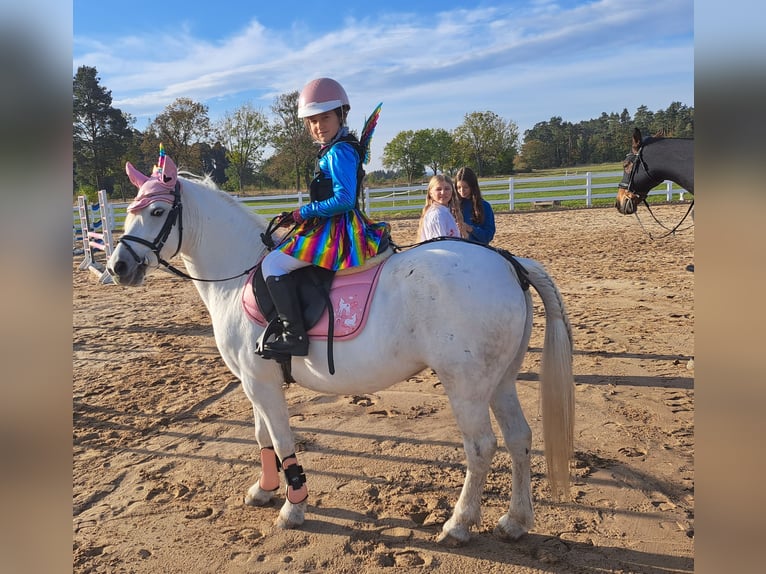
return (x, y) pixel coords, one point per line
(286, 219)
(297, 216)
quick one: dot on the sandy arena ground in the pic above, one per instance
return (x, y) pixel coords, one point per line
(163, 445)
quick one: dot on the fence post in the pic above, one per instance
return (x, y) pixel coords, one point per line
(510, 192)
(108, 221)
(588, 190)
(367, 201)
(669, 190)
(85, 228)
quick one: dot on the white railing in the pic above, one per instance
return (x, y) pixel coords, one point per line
(514, 191)
(502, 194)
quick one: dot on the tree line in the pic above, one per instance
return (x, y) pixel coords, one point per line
(247, 149)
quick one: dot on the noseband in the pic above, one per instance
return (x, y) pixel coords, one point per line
(159, 241)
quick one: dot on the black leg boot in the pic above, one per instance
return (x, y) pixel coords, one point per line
(284, 294)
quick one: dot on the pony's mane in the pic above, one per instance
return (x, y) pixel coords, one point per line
(207, 181)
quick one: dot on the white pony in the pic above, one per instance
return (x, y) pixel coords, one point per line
(453, 306)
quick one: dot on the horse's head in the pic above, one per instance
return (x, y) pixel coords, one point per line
(150, 220)
(629, 193)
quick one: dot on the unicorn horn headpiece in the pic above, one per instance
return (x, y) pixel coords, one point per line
(156, 187)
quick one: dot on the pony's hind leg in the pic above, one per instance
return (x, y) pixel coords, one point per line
(518, 440)
(480, 443)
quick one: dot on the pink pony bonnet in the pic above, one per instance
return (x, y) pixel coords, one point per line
(157, 187)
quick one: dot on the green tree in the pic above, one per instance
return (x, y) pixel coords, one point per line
(179, 127)
(123, 188)
(534, 154)
(245, 135)
(239, 173)
(403, 154)
(643, 119)
(557, 143)
(489, 140)
(291, 141)
(539, 147)
(675, 121)
(435, 148)
(101, 133)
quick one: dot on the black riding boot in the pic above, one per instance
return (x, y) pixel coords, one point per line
(284, 294)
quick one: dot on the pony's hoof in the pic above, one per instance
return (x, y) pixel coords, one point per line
(454, 537)
(256, 496)
(286, 523)
(291, 516)
(508, 529)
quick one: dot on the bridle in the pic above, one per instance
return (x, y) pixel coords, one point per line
(636, 158)
(159, 241)
(628, 180)
(174, 215)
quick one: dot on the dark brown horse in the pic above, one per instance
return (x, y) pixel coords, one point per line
(652, 161)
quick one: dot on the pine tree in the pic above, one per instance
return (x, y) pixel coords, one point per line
(101, 133)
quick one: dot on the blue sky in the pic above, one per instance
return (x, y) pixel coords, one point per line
(430, 63)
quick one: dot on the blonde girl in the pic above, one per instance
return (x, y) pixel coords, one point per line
(441, 215)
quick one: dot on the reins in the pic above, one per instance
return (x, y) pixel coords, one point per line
(669, 230)
(639, 157)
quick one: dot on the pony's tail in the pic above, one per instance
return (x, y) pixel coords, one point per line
(556, 381)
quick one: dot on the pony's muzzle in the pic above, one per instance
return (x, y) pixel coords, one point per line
(125, 272)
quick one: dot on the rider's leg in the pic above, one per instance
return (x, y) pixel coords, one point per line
(282, 287)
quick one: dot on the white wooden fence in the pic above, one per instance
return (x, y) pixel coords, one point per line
(508, 194)
(503, 194)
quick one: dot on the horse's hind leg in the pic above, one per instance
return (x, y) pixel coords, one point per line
(480, 443)
(518, 439)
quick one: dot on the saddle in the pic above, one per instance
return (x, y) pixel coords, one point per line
(334, 304)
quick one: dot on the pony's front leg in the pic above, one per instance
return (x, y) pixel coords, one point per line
(272, 424)
(262, 492)
(292, 513)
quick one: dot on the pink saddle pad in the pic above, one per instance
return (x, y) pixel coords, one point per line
(351, 295)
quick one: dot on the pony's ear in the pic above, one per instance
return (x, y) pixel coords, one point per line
(169, 173)
(136, 177)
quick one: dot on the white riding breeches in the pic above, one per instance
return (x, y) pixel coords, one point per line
(278, 263)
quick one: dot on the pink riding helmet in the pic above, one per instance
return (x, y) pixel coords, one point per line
(321, 95)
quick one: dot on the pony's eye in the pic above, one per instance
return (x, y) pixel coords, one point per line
(158, 211)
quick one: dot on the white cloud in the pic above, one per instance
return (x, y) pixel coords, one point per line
(525, 62)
